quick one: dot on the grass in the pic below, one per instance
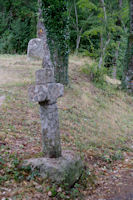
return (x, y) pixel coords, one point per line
(97, 123)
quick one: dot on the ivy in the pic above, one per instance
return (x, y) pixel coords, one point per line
(55, 18)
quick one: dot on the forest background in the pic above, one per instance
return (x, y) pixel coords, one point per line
(98, 29)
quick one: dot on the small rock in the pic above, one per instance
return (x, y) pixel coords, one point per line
(132, 174)
(59, 189)
(49, 193)
(126, 160)
(101, 199)
(35, 49)
(38, 187)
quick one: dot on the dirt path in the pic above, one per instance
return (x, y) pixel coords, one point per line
(116, 184)
(124, 189)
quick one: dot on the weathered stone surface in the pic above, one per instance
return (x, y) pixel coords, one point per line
(50, 130)
(66, 169)
(37, 93)
(54, 92)
(35, 49)
(42, 33)
(49, 92)
(44, 76)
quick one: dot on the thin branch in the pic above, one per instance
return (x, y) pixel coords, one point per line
(85, 23)
(120, 3)
(115, 60)
(103, 52)
(70, 9)
(76, 15)
(104, 10)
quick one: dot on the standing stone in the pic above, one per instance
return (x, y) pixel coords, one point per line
(35, 46)
(35, 49)
(38, 47)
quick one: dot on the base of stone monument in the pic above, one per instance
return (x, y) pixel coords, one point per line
(66, 169)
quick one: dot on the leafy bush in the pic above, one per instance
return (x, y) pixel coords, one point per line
(95, 74)
(17, 25)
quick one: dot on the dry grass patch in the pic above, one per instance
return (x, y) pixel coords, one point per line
(17, 69)
(92, 117)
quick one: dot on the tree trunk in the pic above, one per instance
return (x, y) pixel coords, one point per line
(54, 58)
(103, 52)
(104, 10)
(129, 71)
(103, 45)
(120, 3)
(60, 67)
(114, 73)
(77, 28)
(42, 34)
(78, 43)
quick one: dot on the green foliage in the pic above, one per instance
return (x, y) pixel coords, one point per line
(16, 40)
(82, 24)
(95, 74)
(109, 158)
(55, 18)
(85, 4)
(87, 180)
(86, 11)
(103, 25)
(13, 170)
(122, 58)
(17, 25)
(2, 162)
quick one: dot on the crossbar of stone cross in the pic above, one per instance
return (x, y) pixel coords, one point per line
(46, 92)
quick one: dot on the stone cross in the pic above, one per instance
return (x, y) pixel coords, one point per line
(59, 167)
(46, 92)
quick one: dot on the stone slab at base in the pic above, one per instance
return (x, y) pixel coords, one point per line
(66, 169)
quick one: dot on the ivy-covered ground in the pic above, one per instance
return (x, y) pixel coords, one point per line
(97, 123)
